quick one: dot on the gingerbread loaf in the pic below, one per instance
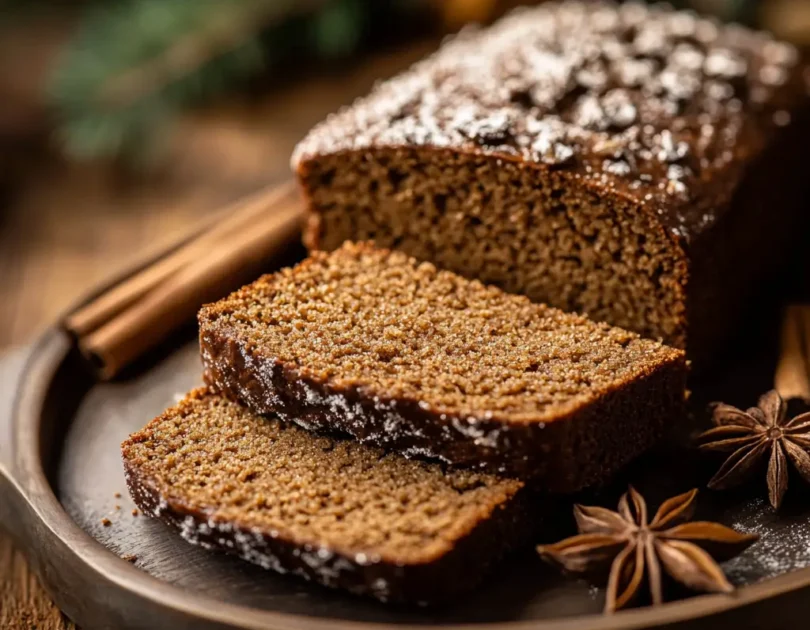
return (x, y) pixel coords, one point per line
(401, 355)
(639, 165)
(330, 510)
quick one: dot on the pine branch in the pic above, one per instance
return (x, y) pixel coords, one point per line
(133, 65)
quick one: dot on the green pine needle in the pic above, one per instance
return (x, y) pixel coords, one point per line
(338, 27)
(134, 64)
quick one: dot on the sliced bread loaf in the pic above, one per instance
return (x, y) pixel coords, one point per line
(610, 159)
(399, 354)
(334, 511)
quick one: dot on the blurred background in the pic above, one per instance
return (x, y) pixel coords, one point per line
(123, 123)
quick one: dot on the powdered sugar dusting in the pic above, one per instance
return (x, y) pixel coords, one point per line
(784, 544)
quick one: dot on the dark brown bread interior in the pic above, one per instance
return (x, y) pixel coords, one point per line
(428, 363)
(331, 510)
(622, 162)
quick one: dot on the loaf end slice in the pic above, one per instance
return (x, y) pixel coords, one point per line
(333, 511)
(428, 363)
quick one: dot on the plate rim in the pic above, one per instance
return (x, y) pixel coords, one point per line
(27, 476)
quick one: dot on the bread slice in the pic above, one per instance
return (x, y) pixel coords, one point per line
(404, 356)
(334, 511)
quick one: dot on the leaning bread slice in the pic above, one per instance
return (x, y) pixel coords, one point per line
(332, 510)
(405, 356)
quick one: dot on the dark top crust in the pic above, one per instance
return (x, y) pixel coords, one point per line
(661, 106)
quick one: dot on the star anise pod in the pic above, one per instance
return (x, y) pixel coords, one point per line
(751, 436)
(627, 546)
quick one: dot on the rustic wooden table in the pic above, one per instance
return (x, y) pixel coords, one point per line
(68, 227)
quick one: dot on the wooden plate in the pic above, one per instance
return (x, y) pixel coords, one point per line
(63, 496)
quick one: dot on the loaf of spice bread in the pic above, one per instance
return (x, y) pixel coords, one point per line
(334, 511)
(639, 165)
(428, 363)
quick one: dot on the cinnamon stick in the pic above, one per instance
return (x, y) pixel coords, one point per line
(237, 217)
(792, 377)
(119, 326)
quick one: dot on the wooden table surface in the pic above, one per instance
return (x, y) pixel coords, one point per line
(67, 227)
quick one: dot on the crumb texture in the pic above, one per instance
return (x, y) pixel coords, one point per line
(235, 471)
(555, 241)
(379, 321)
